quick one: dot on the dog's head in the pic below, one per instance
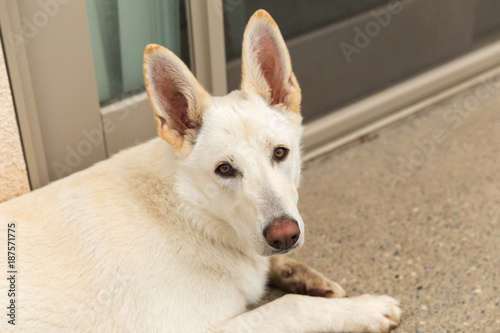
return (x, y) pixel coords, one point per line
(238, 155)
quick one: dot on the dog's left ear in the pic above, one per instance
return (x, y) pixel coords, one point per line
(267, 69)
(177, 98)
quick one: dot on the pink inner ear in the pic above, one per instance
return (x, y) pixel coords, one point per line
(171, 99)
(270, 60)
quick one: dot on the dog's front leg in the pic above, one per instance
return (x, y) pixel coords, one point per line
(300, 313)
(294, 277)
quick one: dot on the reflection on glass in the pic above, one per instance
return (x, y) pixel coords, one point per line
(121, 29)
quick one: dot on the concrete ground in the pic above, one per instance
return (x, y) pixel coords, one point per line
(415, 214)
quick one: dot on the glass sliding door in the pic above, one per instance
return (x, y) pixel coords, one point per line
(343, 51)
(79, 72)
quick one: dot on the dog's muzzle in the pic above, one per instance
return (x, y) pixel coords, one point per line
(282, 234)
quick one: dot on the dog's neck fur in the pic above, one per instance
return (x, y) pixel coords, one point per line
(155, 176)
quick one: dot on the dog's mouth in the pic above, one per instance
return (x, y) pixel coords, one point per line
(283, 251)
(269, 251)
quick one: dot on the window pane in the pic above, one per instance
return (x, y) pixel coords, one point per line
(295, 17)
(345, 50)
(121, 29)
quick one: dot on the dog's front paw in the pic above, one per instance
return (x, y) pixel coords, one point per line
(375, 313)
(295, 277)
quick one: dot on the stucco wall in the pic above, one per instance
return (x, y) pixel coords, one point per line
(13, 175)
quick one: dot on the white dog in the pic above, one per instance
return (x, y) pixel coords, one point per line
(182, 233)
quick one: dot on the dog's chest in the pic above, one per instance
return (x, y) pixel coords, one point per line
(192, 282)
(228, 274)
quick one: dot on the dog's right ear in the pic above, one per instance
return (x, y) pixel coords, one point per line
(267, 69)
(177, 98)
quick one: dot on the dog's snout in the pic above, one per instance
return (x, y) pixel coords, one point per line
(282, 233)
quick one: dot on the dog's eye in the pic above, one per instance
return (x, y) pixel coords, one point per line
(280, 153)
(224, 169)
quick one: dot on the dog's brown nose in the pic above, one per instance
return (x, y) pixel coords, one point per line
(282, 233)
